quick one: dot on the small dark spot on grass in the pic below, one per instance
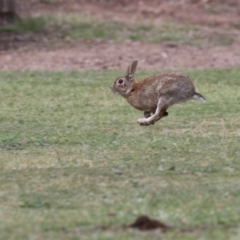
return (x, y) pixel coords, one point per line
(144, 223)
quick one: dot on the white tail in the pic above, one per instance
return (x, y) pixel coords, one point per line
(199, 97)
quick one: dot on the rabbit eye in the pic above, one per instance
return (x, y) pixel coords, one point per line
(120, 81)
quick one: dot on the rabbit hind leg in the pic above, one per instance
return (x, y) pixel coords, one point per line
(160, 112)
(148, 114)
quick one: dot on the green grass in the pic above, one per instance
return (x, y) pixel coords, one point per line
(70, 28)
(28, 25)
(74, 158)
(84, 28)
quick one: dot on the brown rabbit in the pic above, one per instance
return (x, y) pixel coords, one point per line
(154, 95)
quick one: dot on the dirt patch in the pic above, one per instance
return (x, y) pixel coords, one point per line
(205, 12)
(32, 52)
(144, 223)
(112, 55)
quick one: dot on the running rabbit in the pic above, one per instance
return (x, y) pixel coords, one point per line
(155, 94)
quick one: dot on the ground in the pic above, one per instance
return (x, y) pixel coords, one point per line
(74, 162)
(32, 52)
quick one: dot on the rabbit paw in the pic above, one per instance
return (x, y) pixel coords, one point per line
(144, 121)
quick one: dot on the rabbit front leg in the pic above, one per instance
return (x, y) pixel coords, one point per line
(159, 113)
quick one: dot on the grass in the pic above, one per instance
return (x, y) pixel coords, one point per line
(28, 25)
(72, 28)
(74, 158)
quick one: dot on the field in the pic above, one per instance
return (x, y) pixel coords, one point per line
(76, 165)
(74, 162)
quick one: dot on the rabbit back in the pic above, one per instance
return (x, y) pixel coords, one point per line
(173, 87)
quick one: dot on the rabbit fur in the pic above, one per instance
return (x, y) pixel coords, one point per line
(155, 94)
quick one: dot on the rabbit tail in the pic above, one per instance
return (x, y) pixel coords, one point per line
(199, 97)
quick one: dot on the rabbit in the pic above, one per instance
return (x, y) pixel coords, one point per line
(155, 94)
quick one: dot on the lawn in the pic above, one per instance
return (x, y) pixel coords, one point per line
(73, 158)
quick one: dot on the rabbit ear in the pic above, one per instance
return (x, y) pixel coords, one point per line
(132, 68)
